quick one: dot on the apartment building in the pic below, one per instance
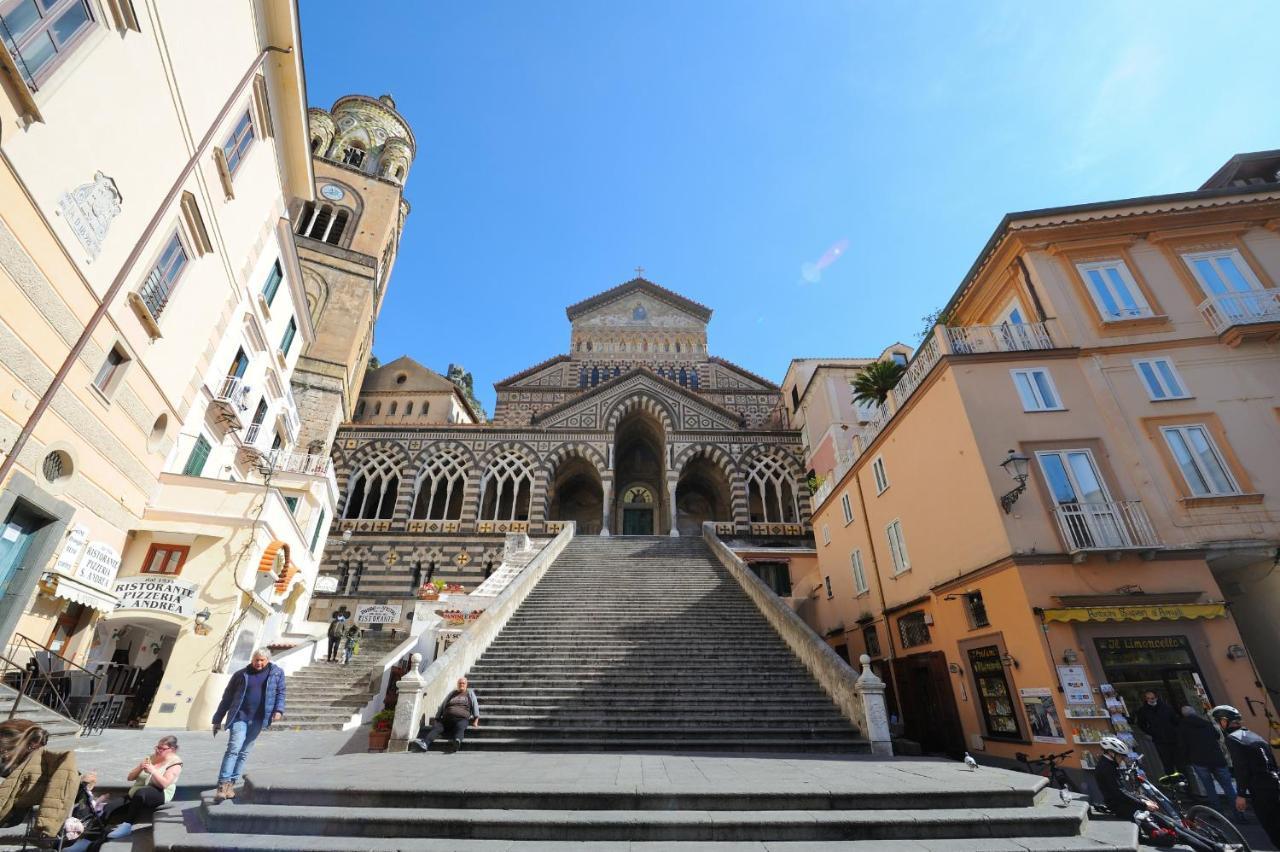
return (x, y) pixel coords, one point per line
(154, 310)
(818, 399)
(1072, 495)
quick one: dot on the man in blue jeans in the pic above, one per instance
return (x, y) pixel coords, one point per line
(253, 699)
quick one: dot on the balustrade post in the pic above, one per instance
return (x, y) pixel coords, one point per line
(875, 713)
(408, 706)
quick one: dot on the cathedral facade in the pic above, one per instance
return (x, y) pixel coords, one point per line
(637, 430)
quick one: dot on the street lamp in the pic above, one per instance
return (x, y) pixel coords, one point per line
(1016, 466)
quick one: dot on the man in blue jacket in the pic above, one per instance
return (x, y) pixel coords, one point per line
(253, 699)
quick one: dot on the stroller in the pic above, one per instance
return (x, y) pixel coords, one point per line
(85, 811)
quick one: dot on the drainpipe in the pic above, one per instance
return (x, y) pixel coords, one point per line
(117, 284)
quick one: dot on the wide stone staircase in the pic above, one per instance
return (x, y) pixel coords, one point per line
(326, 696)
(647, 643)
(619, 709)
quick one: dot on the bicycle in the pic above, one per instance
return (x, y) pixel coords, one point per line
(1198, 826)
(1057, 776)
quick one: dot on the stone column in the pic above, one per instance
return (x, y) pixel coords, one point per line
(606, 510)
(408, 706)
(875, 713)
(671, 497)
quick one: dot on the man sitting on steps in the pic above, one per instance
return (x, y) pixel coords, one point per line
(459, 708)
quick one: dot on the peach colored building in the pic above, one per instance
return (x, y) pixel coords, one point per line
(1073, 494)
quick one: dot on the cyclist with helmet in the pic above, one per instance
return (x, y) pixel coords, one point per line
(1254, 764)
(1120, 801)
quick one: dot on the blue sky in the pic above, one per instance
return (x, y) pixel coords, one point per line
(730, 146)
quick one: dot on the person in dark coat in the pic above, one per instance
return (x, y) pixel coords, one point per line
(1254, 764)
(335, 636)
(253, 699)
(1201, 747)
(1160, 722)
(459, 709)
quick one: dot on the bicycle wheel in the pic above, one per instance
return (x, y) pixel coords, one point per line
(1209, 823)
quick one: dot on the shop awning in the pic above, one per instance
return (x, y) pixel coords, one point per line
(74, 590)
(1151, 612)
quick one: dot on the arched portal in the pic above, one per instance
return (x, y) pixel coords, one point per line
(639, 472)
(577, 495)
(701, 495)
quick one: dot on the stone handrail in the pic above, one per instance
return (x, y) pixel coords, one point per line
(423, 692)
(860, 698)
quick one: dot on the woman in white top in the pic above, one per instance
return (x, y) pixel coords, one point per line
(155, 780)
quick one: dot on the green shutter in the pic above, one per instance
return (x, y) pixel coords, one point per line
(315, 536)
(288, 336)
(273, 284)
(199, 455)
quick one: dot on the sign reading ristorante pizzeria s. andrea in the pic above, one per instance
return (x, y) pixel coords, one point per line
(157, 594)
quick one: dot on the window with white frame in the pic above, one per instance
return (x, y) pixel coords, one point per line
(882, 479)
(237, 145)
(38, 35)
(1222, 272)
(859, 573)
(438, 495)
(1161, 379)
(826, 534)
(1036, 390)
(372, 489)
(826, 582)
(1115, 293)
(847, 508)
(897, 547)
(1199, 460)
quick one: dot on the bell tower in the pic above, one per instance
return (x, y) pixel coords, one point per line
(347, 241)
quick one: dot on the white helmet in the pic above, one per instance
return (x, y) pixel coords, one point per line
(1114, 744)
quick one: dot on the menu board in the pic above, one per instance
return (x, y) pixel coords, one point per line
(994, 696)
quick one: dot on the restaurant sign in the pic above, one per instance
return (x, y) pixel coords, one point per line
(1150, 612)
(377, 614)
(99, 566)
(157, 594)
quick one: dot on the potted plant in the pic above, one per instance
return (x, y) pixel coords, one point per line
(380, 733)
(428, 592)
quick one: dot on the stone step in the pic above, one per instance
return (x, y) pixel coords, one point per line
(744, 681)
(583, 721)
(672, 732)
(644, 825)
(544, 702)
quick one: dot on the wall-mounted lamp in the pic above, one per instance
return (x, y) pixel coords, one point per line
(202, 622)
(1016, 466)
(1070, 657)
(1009, 660)
(955, 669)
(346, 537)
(1235, 652)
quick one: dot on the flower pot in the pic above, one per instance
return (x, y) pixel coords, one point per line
(378, 739)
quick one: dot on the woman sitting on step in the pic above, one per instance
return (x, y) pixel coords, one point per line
(35, 776)
(155, 780)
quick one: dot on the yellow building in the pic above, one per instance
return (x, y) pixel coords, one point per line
(154, 309)
(1119, 360)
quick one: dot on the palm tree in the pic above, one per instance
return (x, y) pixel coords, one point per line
(875, 381)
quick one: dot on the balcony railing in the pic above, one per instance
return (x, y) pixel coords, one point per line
(1224, 310)
(1114, 525)
(252, 434)
(302, 463)
(233, 391)
(1007, 337)
(155, 292)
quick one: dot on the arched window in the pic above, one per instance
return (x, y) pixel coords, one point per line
(391, 409)
(438, 492)
(684, 377)
(377, 409)
(339, 225)
(771, 493)
(354, 155)
(505, 488)
(360, 409)
(399, 172)
(426, 406)
(316, 141)
(595, 376)
(617, 371)
(371, 491)
(677, 346)
(693, 379)
(582, 377)
(408, 408)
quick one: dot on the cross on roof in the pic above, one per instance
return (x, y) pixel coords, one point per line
(639, 271)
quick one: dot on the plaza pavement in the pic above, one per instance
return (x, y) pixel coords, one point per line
(331, 758)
